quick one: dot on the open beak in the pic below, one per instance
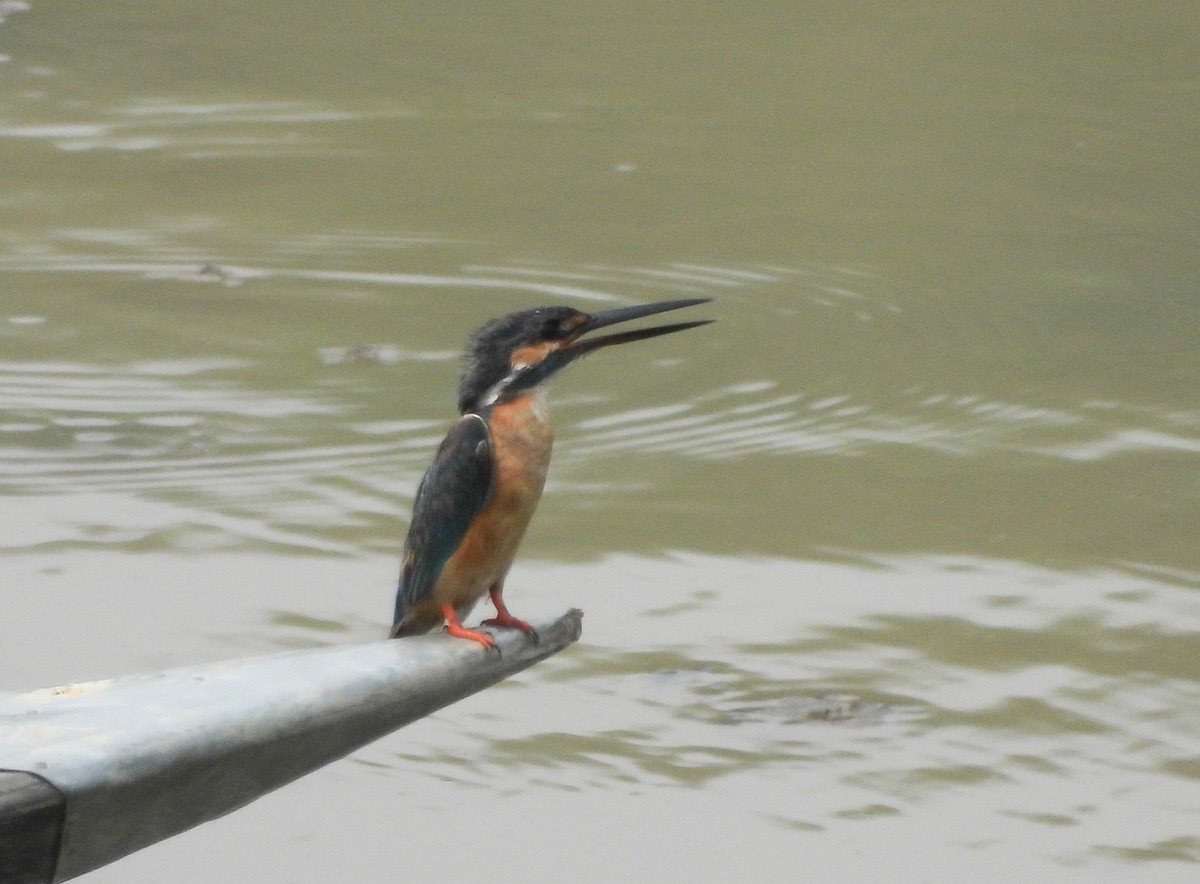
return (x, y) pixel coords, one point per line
(579, 347)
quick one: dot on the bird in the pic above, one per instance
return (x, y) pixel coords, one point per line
(477, 497)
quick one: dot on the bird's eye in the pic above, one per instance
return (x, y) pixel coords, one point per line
(556, 329)
(561, 328)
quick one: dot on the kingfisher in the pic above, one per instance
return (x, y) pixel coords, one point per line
(477, 497)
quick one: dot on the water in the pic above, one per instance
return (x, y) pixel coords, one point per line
(890, 573)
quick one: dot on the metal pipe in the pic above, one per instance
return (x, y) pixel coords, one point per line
(137, 759)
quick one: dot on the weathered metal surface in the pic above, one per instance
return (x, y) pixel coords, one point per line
(141, 758)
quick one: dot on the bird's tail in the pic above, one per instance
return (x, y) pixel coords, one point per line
(412, 618)
(398, 616)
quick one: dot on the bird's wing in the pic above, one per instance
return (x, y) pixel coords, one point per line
(456, 486)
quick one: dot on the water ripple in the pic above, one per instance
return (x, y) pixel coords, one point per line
(195, 130)
(758, 418)
(322, 446)
(173, 451)
(147, 388)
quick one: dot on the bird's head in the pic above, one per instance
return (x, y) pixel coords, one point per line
(516, 353)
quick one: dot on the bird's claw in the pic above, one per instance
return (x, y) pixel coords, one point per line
(511, 622)
(475, 635)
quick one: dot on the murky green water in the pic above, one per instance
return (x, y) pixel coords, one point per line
(892, 573)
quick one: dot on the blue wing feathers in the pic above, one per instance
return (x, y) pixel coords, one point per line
(455, 488)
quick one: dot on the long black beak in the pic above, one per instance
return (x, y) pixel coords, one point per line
(568, 353)
(604, 318)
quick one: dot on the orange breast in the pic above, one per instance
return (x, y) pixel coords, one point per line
(521, 442)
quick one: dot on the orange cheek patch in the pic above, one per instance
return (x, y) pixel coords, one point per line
(533, 354)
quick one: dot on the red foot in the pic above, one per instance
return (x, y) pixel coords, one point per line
(456, 629)
(504, 618)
